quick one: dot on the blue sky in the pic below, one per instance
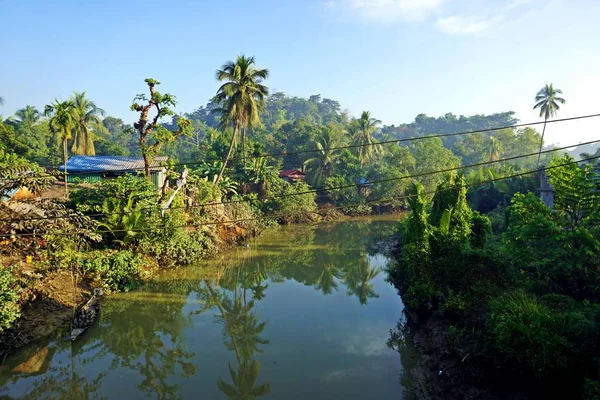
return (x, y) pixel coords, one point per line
(396, 58)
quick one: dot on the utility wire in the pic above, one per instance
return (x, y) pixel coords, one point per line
(380, 201)
(323, 189)
(276, 216)
(284, 154)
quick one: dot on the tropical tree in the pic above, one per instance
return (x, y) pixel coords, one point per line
(87, 118)
(61, 123)
(322, 164)
(1, 101)
(241, 99)
(27, 116)
(362, 130)
(149, 129)
(547, 100)
(495, 149)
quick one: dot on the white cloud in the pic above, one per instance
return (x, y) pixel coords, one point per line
(389, 10)
(445, 14)
(515, 4)
(466, 25)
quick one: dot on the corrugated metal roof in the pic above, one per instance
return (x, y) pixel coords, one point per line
(110, 163)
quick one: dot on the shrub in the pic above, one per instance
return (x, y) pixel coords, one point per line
(525, 331)
(294, 201)
(119, 271)
(481, 226)
(561, 336)
(90, 198)
(9, 307)
(453, 303)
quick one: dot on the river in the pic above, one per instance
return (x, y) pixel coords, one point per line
(303, 312)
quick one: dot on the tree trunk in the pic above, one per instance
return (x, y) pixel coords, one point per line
(541, 142)
(147, 163)
(235, 132)
(65, 166)
(244, 145)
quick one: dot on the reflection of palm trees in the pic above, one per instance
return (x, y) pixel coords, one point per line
(326, 282)
(358, 279)
(244, 382)
(241, 330)
(150, 343)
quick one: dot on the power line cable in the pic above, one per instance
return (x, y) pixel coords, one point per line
(284, 154)
(276, 216)
(328, 189)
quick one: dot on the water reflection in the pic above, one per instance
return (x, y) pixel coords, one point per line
(163, 341)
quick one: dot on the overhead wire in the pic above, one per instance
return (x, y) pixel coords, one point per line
(328, 189)
(351, 146)
(276, 216)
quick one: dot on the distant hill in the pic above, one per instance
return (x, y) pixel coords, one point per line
(588, 148)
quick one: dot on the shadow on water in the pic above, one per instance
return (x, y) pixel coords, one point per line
(241, 326)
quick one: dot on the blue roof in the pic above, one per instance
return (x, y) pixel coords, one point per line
(8, 194)
(110, 163)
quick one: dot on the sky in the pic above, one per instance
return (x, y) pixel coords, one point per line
(395, 58)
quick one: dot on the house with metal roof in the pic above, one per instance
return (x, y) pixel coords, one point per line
(96, 168)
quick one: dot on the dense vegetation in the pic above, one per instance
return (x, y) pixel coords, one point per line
(523, 298)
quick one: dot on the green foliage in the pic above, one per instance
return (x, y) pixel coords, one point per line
(347, 192)
(123, 218)
(169, 242)
(17, 172)
(295, 199)
(91, 198)
(559, 248)
(9, 297)
(119, 272)
(450, 200)
(557, 337)
(481, 227)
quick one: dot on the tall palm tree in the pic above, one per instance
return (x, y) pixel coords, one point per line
(547, 100)
(61, 123)
(87, 118)
(322, 164)
(28, 116)
(362, 130)
(1, 101)
(241, 99)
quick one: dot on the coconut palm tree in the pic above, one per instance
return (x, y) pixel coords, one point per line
(27, 116)
(88, 117)
(323, 163)
(547, 100)
(61, 123)
(362, 130)
(241, 99)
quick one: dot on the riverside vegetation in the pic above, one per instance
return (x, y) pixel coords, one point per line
(516, 291)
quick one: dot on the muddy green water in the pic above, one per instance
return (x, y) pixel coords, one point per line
(304, 312)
